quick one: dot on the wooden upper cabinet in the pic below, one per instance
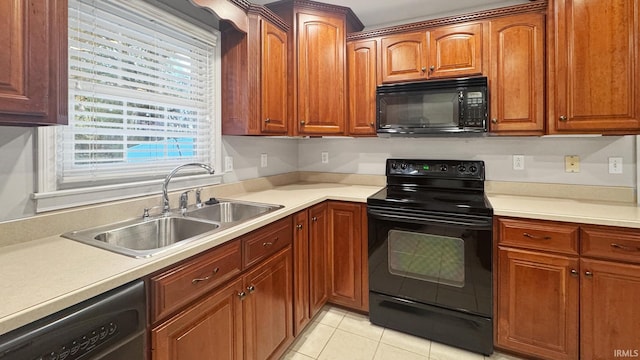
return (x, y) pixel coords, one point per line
(361, 70)
(403, 57)
(455, 50)
(254, 77)
(594, 67)
(444, 52)
(274, 79)
(516, 74)
(321, 84)
(33, 62)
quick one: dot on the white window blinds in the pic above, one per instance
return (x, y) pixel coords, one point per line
(141, 94)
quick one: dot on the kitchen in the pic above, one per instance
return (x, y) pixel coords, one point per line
(544, 161)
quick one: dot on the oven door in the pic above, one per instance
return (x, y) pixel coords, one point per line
(436, 259)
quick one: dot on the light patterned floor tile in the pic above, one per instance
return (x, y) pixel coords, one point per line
(292, 355)
(408, 342)
(330, 315)
(445, 352)
(360, 325)
(501, 356)
(344, 345)
(313, 339)
(388, 352)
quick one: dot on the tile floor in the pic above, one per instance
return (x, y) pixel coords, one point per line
(336, 334)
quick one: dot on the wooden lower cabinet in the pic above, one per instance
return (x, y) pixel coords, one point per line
(251, 318)
(538, 303)
(609, 313)
(347, 255)
(318, 258)
(211, 329)
(267, 306)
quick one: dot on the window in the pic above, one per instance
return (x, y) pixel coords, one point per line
(143, 98)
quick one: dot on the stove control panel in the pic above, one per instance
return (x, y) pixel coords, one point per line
(459, 169)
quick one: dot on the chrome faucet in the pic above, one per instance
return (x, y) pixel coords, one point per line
(165, 193)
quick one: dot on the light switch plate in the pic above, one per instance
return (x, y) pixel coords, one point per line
(518, 162)
(228, 164)
(325, 157)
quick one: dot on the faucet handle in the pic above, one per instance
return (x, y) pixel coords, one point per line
(184, 200)
(198, 199)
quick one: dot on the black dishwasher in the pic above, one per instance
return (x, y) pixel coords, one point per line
(110, 326)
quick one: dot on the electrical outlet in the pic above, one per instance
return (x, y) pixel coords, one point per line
(325, 157)
(228, 164)
(518, 162)
(263, 160)
(572, 163)
(615, 165)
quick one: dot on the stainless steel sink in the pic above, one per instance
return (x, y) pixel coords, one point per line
(231, 211)
(144, 237)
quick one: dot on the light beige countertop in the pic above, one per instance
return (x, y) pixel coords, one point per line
(42, 276)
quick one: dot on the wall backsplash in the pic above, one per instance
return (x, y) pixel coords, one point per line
(544, 159)
(544, 156)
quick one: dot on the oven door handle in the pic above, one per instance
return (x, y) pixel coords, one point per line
(406, 215)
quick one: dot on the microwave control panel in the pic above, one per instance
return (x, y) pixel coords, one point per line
(474, 108)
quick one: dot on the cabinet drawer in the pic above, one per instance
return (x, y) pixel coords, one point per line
(178, 286)
(538, 235)
(262, 243)
(610, 243)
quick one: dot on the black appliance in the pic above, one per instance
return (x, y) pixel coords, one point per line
(110, 326)
(430, 252)
(434, 107)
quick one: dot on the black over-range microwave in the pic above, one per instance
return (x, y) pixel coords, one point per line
(434, 107)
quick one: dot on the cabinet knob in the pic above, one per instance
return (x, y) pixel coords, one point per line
(267, 120)
(588, 274)
(494, 121)
(563, 118)
(314, 219)
(574, 272)
(424, 69)
(432, 68)
(302, 122)
(299, 226)
(242, 295)
(372, 124)
(251, 288)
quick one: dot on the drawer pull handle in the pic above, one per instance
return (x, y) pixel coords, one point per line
(269, 243)
(536, 237)
(197, 280)
(625, 248)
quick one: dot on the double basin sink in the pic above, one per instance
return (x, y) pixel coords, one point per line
(148, 236)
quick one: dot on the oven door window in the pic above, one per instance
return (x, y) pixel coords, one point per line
(426, 257)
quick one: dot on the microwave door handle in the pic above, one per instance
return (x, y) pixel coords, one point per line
(460, 109)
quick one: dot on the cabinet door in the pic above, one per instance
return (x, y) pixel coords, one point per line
(274, 79)
(321, 74)
(455, 51)
(403, 57)
(594, 67)
(345, 254)
(609, 313)
(517, 74)
(318, 258)
(33, 62)
(361, 70)
(210, 329)
(268, 308)
(301, 314)
(537, 303)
